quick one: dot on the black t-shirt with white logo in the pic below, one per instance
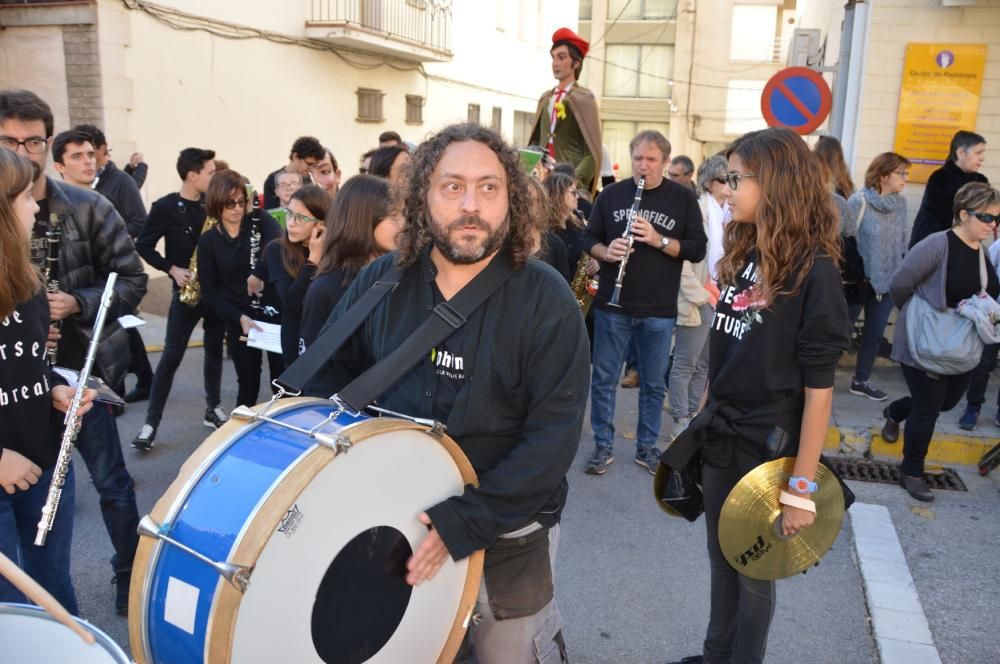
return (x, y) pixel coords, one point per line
(449, 367)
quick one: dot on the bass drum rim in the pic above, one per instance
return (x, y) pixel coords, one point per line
(226, 600)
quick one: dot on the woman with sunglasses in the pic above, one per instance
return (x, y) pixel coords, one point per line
(361, 226)
(284, 261)
(943, 268)
(30, 430)
(882, 232)
(779, 328)
(226, 256)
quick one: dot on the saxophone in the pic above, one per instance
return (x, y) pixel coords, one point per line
(73, 420)
(191, 291)
(51, 271)
(583, 285)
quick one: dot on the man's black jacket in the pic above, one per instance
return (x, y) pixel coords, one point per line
(94, 242)
(120, 189)
(935, 213)
(518, 414)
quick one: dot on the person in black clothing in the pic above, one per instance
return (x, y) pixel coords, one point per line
(514, 402)
(548, 247)
(362, 224)
(965, 158)
(226, 256)
(668, 230)
(29, 428)
(389, 163)
(943, 269)
(93, 241)
(305, 154)
(123, 192)
(284, 271)
(137, 169)
(780, 326)
(566, 219)
(178, 220)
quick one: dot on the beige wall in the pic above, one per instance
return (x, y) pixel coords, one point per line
(32, 58)
(894, 23)
(166, 89)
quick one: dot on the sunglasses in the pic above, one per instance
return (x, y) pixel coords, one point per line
(733, 179)
(985, 217)
(721, 180)
(291, 215)
(235, 203)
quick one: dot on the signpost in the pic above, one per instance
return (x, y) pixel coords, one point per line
(797, 98)
(939, 96)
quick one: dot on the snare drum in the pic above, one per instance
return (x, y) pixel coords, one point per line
(285, 539)
(29, 634)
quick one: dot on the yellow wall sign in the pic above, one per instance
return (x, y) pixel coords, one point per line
(939, 96)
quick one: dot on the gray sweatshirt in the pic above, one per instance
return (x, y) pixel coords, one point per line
(923, 271)
(882, 234)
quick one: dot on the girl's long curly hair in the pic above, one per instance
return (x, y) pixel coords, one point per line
(796, 218)
(417, 234)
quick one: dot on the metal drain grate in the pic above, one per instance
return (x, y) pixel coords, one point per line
(885, 472)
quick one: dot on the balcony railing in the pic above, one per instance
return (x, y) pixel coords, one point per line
(413, 29)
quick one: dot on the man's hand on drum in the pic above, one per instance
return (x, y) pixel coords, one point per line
(425, 562)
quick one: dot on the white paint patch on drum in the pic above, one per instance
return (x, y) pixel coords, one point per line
(385, 480)
(28, 634)
(181, 605)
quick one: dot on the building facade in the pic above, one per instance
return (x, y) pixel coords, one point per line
(246, 78)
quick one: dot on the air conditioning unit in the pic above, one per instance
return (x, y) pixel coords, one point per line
(804, 49)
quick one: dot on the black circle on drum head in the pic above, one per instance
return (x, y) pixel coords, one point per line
(362, 597)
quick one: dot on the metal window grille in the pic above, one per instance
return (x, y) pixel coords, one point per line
(497, 119)
(414, 109)
(473, 112)
(370, 105)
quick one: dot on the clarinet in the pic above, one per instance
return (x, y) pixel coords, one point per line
(53, 234)
(630, 221)
(73, 420)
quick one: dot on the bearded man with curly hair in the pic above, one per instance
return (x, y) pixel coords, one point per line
(510, 383)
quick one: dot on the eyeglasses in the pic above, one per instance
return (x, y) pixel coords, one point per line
(291, 215)
(363, 170)
(903, 174)
(678, 175)
(32, 145)
(720, 180)
(235, 203)
(985, 217)
(285, 186)
(733, 179)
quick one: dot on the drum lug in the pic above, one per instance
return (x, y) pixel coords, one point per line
(437, 431)
(237, 575)
(339, 444)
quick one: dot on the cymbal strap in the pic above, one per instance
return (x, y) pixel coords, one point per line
(797, 501)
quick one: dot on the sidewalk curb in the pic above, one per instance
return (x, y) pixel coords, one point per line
(868, 442)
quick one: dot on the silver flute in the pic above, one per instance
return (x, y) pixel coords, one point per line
(629, 223)
(73, 420)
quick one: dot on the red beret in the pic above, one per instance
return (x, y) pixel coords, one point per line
(570, 38)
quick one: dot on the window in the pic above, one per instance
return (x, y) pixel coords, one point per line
(743, 106)
(414, 109)
(639, 9)
(522, 127)
(370, 105)
(638, 70)
(753, 34)
(586, 10)
(617, 136)
(474, 113)
(497, 119)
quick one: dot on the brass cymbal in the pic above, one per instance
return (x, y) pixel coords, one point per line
(750, 531)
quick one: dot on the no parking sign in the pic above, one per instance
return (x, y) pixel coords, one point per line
(797, 98)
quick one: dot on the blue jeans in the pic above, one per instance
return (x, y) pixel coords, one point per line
(876, 318)
(49, 564)
(611, 336)
(101, 449)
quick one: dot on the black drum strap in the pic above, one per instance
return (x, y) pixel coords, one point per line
(294, 378)
(449, 316)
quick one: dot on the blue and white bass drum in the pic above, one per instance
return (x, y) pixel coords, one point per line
(284, 539)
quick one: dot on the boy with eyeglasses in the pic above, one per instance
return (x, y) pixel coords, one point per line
(179, 219)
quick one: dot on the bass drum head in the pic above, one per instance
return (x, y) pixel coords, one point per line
(328, 584)
(29, 634)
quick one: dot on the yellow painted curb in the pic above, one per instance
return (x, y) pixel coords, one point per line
(159, 348)
(944, 448)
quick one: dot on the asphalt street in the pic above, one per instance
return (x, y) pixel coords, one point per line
(632, 583)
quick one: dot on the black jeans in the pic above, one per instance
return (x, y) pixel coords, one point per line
(742, 608)
(138, 363)
(101, 449)
(181, 321)
(929, 397)
(247, 362)
(976, 395)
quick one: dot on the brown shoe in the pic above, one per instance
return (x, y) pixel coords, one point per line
(631, 378)
(916, 487)
(890, 430)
